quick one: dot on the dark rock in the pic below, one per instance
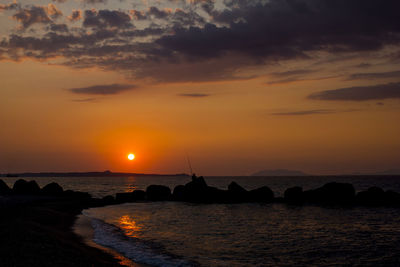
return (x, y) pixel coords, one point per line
(236, 193)
(23, 187)
(294, 195)
(123, 197)
(138, 195)
(179, 193)
(134, 196)
(392, 198)
(197, 191)
(4, 188)
(108, 200)
(52, 189)
(332, 194)
(262, 194)
(77, 195)
(158, 192)
(234, 187)
(373, 196)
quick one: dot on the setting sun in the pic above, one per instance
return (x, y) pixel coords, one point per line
(131, 156)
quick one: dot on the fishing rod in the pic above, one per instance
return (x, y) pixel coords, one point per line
(190, 165)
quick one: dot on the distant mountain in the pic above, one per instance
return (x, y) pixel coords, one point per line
(279, 172)
(388, 172)
(377, 173)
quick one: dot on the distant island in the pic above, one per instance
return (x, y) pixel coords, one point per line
(280, 172)
(85, 174)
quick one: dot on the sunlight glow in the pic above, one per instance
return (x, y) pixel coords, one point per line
(131, 156)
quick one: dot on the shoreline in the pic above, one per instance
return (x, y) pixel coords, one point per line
(83, 228)
(39, 232)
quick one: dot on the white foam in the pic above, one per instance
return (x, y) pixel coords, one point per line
(111, 236)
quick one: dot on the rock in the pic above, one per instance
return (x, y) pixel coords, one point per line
(139, 195)
(136, 195)
(294, 195)
(392, 198)
(108, 200)
(179, 193)
(77, 195)
(28, 188)
(158, 192)
(236, 193)
(234, 187)
(196, 191)
(123, 197)
(373, 196)
(262, 194)
(331, 193)
(4, 188)
(52, 189)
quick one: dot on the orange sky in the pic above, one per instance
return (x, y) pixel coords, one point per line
(230, 115)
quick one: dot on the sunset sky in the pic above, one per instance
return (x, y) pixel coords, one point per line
(239, 86)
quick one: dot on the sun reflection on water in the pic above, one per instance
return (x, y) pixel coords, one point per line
(129, 226)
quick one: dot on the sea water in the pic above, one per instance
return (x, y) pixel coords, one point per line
(248, 234)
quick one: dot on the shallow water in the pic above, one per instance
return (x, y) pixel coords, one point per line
(181, 234)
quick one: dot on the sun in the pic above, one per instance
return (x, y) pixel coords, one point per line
(131, 156)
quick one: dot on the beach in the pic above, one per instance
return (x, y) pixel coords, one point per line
(37, 231)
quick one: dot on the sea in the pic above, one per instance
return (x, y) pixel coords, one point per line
(248, 234)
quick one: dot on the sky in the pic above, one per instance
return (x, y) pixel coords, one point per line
(235, 86)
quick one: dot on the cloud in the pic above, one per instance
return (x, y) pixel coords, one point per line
(289, 29)
(110, 89)
(158, 13)
(37, 14)
(10, 6)
(360, 93)
(94, 1)
(106, 18)
(304, 112)
(59, 27)
(75, 15)
(311, 112)
(84, 100)
(374, 75)
(195, 95)
(200, 41)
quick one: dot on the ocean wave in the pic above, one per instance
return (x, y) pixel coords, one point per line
(140, 251)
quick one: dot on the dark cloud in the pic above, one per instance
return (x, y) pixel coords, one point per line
(110, 89)
(297, 72)
(360, 93)
(107, 18)
(289, 29)
(200, 41)
(158, 13)
(94, 1)
(195, 95)
(84, 100)
(304, 112)
(374, 75)
(37, 14)
(75, 15)
(138, 15)
(59, 27)
(10, 6)
(363, 65)
(311, 112)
